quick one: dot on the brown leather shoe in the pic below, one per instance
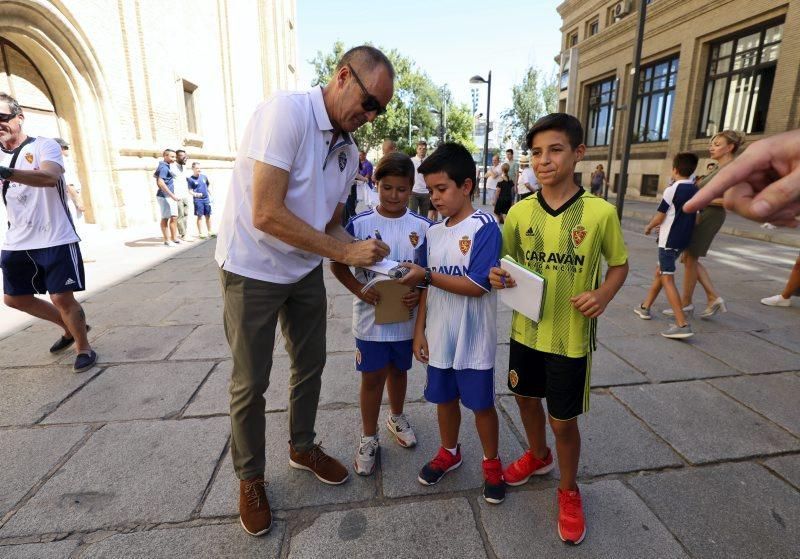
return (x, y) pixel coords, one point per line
(327, 469)
(254, 513)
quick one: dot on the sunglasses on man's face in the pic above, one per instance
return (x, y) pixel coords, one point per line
(370, 102)
(5, 117)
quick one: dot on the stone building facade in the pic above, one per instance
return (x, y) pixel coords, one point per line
(122, 80)
(706, 66)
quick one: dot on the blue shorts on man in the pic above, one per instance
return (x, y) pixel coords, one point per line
(55, 269)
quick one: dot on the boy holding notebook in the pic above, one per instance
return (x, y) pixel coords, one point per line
(383, 351)
(560, 232)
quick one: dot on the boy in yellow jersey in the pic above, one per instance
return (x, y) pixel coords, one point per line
(561, 233)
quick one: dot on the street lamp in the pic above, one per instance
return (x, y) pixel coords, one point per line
(441, 122)
(488, 82)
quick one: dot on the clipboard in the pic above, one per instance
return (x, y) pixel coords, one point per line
(390, 308)
(527, 297)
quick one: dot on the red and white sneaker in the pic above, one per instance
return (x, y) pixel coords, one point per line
(527, 465)
(571, 523)
(442, 463)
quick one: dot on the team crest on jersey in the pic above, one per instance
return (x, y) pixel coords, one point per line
(29, 157)
(414, 238)
(464, 244)
(578, 234)
(513, 378)
(342, 160)
(358, 356)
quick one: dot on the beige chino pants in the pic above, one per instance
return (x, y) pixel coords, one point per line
(252, 309)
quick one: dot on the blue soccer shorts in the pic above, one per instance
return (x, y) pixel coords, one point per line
(475, 387)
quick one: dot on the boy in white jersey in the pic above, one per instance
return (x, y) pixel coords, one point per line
(383, 351)
(455, 333)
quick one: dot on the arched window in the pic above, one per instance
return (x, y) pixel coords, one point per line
(20, 78)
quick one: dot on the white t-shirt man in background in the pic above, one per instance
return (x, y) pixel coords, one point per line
(40, 252)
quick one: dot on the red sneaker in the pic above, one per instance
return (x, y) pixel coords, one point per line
(442, 463)
(527, 465)
(571, 524)
(494, 488)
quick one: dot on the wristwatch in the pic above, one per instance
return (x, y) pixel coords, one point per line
(428, 277)
(5, 173)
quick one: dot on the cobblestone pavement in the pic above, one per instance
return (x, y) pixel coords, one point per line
(691, 449)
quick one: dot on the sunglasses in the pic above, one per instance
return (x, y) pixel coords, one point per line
(370, 102)
(5, 117)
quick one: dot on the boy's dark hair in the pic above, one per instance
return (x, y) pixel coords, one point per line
(422, 143)
(511, 151)
(395, 164)
(685, 162)
(454, 160)
(560, 122)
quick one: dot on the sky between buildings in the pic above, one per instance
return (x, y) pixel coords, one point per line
(451, 40)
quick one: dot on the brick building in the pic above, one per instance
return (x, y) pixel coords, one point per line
(706, 66)
(122, 80)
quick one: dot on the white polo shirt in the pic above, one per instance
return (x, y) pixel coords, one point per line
(291, 131)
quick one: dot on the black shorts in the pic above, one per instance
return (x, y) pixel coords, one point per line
(562, 381)
(55, 269)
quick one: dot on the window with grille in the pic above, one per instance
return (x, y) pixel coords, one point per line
(655, 100)
(739, 79)
(601, 111)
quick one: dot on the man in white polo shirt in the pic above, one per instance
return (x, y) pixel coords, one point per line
(290, 181)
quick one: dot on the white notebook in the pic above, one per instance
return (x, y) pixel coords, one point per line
(528, 295)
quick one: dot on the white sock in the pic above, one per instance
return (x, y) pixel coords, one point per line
(365, 438)
(452, 450)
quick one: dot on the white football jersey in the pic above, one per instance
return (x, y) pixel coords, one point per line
(461, 330)
(406, 238)
(38, 216)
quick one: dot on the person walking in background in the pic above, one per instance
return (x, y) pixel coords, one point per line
(198, 186)
(513, 167)
(181, 188)
(74, 196)
(675, 228)
(722, 149)
(167, 201)
(41, 252)
(493, 174)
(598, 180)
(420, 201)
(527, 183)
(388, 146)
(784, 299)
(504, 195)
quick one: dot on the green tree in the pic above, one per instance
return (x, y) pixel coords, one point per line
(534, 97)
(414, 93)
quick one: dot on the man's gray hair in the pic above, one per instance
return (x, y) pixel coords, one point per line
(367, 57)
(12, 103)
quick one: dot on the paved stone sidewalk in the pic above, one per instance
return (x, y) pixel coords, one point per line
(691, 449)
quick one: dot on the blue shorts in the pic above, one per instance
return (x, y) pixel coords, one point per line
(475, 387)
(202, 207)
(374, 356)
(666, 260)
(43, 270)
